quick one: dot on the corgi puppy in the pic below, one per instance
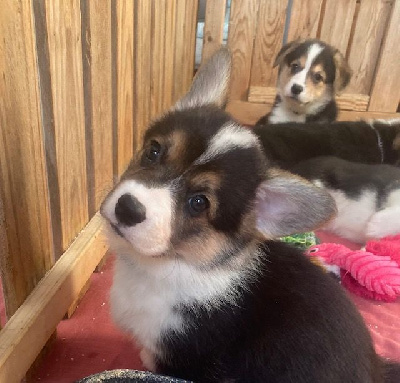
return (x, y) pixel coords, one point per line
(311, 73)
(370, 142)
(367, 196)
(200, 282)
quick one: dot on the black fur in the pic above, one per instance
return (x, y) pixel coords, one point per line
(291, 324)
(350, 177)
(287, 144)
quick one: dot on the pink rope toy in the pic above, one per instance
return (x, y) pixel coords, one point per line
(373, 273)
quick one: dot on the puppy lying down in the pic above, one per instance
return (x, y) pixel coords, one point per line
(200, 281)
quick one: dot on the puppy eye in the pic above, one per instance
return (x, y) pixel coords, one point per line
(197, 204)
(318, 77)
(153, 153)
(294, 68)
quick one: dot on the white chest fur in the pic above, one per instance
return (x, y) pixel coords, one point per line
(280, 113)
(144, 296)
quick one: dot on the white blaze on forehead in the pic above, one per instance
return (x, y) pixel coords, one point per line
(300, 78)
(229, 137)
(152, 236)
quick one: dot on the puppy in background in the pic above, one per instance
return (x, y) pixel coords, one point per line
(311, 73)
(367, 196)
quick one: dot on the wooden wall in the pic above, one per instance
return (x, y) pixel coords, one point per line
(364, 30)
(80, 80)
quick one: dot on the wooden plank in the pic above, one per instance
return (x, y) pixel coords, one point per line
(23, 185)
(125, 78)
(169, 41)
(268, 42)
(213, 28)
(385, 91)
(366, 43)
(190, 43)
(157, 55)
(305, 19)
(262, 94)
(142, 68)
(180, 50)
(242, 31)
(65, 51)
(337, 22)
(4, 254)
(96, 47)
(248, 113)
(347, 101)
(28, 330)
(47, 111)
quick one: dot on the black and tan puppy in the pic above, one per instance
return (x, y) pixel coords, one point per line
(311, 73)
(199, 280)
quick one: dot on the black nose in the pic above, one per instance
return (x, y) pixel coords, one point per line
(297, 89)
(129, 211)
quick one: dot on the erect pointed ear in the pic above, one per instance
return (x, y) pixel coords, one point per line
(288, 204)
(343, 72)
(285, 50)
(210, 86)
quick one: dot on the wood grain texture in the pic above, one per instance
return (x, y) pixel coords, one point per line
(268, 42)
(29, 329)
(191, 20)
(337, 22)
(366, 43)
(385, 92)
(248, 113)
(98, 102)
(65, 50)
(242, 31)
(23, 185)
(125, 82)
(157, 55)
(169, 78)
(213, 28)
(180, 52)
(142, 68)
(305, 19)
(47, 112)
(347, 101)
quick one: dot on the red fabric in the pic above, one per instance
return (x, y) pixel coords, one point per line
(89, 342)
(382, 319)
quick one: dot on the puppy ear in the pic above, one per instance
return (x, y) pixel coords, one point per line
(343, 72)
(285, 50)
(288, 204)
(211, 84)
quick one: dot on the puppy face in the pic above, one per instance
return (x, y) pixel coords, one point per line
(310, 73)
(190, 192)
(200, 190)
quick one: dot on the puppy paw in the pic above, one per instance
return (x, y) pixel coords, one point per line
(383, 223)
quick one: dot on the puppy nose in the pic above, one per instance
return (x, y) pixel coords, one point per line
(129, 211)
(297, 89)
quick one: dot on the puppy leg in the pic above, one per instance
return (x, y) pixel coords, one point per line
(383, 223)
(148, 360)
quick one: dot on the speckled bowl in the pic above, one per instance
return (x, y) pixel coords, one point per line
(129, 376)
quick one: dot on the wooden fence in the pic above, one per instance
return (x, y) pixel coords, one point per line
(79, 82)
